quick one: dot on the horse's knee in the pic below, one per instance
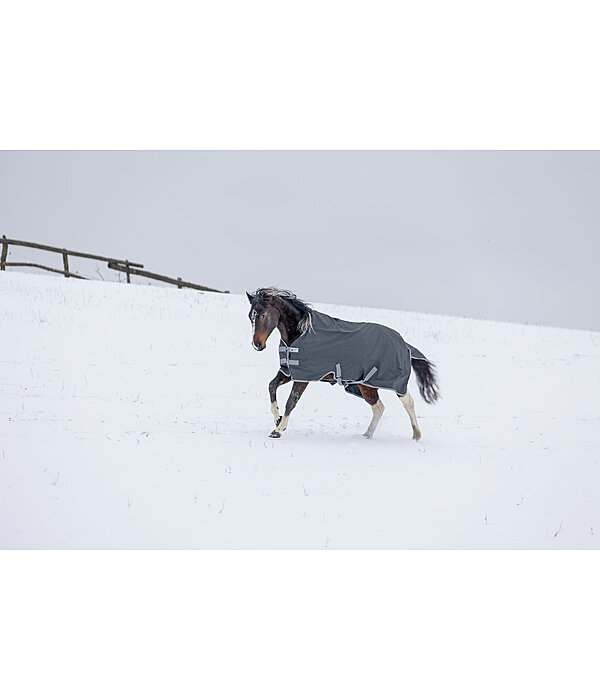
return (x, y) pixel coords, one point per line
(273, 386)
(294, 397)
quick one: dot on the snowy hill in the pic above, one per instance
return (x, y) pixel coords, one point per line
(137, 417)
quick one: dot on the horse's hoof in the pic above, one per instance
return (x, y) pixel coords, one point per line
(275, 434)
(416, 437)
(366, 435)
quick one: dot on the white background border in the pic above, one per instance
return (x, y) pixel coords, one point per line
(299, 75)
(298, 625)
(318, 74)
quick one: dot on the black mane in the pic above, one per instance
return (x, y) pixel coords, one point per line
(262, 294)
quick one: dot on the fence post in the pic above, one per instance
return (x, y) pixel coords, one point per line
(127, 271)
(4, 253)
(179, 285)
(66, 262)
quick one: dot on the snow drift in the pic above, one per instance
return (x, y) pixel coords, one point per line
(137, 417)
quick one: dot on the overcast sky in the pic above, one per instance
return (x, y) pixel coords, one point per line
(509, 235)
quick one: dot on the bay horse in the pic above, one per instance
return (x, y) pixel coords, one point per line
(272, 308)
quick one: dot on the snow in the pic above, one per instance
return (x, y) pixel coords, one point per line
(137, 417)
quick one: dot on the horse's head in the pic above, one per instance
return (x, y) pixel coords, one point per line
(264, 318)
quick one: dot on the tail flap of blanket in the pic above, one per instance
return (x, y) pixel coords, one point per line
(416, 354)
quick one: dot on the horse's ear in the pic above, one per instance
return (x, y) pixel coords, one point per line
(250, 297)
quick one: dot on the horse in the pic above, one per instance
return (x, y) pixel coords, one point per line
(295, 320)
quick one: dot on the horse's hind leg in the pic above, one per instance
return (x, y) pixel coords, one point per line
(409, 405)
(294, 397)
(371, 396)
(279, 379)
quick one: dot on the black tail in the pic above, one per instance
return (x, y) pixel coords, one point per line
(427, 379)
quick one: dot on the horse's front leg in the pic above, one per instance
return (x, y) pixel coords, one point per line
(279, 379)
(294, 397)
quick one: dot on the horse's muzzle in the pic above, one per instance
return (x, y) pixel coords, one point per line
(258, 346)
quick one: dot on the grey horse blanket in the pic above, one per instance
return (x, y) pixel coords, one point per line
(355, 353)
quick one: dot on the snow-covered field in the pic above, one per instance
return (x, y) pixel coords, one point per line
(137, 417)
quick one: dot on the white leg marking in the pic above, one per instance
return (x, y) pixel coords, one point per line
(284, 422)
(409, 405)
(276, 433)
(275, 412)
(378, 410)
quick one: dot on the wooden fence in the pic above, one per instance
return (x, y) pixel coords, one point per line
(126, 266)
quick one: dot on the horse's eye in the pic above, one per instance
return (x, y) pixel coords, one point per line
(262, 315)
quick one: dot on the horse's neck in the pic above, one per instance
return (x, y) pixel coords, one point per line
(289, 320)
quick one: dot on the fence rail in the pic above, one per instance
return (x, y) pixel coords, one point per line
(126, 266)
(44, 267)
(170, 280)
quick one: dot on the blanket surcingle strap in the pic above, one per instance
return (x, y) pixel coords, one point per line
(355, 353)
